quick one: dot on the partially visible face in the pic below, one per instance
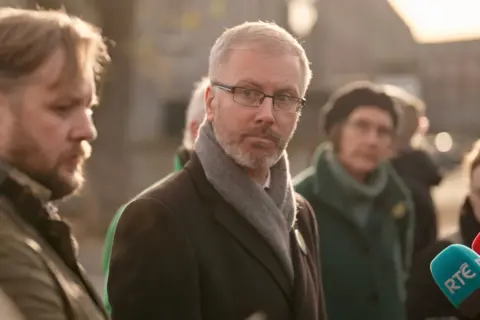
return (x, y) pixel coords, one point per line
(255, 137)
(474, 192)
(365, 139)
(46, 130)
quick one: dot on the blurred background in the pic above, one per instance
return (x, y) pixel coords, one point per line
(429, 47)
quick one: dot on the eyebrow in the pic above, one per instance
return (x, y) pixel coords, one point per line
(92, 101)
(259, 87)
(249, 82)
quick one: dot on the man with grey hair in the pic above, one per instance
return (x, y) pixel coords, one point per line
(193, 118)
(227, 237)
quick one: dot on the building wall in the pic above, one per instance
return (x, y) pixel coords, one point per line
(357, 40)
(353, 40)
(173, 40)
(450, 74)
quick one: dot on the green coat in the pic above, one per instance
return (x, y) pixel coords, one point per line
(178, 162)
(363, 268)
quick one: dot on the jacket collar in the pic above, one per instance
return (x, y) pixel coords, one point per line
(39, 191)
(327, 187)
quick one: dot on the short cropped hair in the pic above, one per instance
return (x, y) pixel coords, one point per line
(195, 110)
(268, 36)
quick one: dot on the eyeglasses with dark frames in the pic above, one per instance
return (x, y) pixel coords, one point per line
(254, 98)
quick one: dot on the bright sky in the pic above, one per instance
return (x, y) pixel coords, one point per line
(440, 20)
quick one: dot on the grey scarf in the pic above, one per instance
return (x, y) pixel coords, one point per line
(272, 212)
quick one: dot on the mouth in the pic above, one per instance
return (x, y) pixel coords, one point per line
(262, 141)
(73, 163)
(369, 157)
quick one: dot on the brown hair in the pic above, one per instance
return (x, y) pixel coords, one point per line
(29, 37)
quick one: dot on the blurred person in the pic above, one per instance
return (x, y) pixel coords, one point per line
(415, 167)
(48, 65)
(227, 237)
(425, 299)
(194, 117)
(363, 209)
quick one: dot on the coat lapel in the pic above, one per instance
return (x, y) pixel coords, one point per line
(239, 228)
(303, 288)
(254, 243)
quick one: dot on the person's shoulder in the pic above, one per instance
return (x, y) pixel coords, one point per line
(174, 180)
(306, 215)
(304, 209)
(169, 197)
(302, 182)
(170, 191)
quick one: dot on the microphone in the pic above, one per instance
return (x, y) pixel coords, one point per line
(456, 270)
(476, 244)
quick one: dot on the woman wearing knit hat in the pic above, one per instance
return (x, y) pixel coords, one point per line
(364, 211)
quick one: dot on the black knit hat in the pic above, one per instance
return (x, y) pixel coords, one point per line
(363, 93)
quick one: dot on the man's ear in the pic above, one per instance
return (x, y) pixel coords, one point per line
(209, 101)
(193, 127)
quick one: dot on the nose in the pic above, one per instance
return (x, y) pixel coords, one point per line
(265, 112)
(84, 129)
(373, 136)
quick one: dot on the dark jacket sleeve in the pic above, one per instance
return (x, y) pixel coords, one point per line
(153, 272)
(424, 298)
